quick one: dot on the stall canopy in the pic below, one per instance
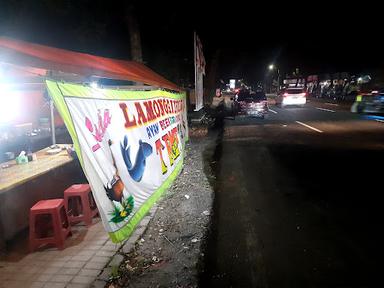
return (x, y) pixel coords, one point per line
(25, 54)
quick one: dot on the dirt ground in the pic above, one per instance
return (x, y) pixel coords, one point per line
(170, 252)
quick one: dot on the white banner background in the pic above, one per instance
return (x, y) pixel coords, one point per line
(131, 147)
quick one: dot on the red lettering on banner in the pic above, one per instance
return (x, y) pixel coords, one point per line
(172, 143)
(175, 143)
(141, 119)
(164, 124)
(168, 145)
(159, 151)
(161, 107)
(149, 108)
(173, 106)
(166, 107)
(96, 147)
(128, 123)
(107, 118)
(156, 108)
(98, 130)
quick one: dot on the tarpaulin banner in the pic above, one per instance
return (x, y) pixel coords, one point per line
(129, 143)
(199, 72)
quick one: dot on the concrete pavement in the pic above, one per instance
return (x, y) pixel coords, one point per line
(86, 254)
(88, 259)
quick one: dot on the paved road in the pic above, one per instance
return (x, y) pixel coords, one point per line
(298, 201)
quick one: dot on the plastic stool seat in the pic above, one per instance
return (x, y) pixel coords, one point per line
(78, 198)
(78, 188)
(47, 204)
(53, 212)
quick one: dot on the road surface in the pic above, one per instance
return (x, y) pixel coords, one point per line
(298, 200)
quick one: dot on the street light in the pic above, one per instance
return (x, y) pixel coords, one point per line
(271, 67)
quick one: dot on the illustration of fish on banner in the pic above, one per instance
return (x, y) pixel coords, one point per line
(115, 187)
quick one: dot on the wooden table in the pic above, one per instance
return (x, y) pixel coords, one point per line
(22, 185)
(17, 174)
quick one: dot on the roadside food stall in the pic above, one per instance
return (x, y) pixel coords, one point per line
(28, 114)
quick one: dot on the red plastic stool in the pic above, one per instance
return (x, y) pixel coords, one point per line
(80, 204)
(48, 224)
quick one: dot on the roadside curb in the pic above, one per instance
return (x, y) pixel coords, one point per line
(116, 260)
(198, 132)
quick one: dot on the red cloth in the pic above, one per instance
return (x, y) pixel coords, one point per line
(38, 56)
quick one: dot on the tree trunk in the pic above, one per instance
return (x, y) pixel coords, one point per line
(134, 34)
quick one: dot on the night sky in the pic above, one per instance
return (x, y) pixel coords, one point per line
(316, 37)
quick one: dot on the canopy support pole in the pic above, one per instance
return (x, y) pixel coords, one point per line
(53, 132)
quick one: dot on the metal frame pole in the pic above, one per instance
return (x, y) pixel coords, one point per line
(52, 123)
(194, 54)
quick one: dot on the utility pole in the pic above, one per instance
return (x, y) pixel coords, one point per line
(211, 75)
